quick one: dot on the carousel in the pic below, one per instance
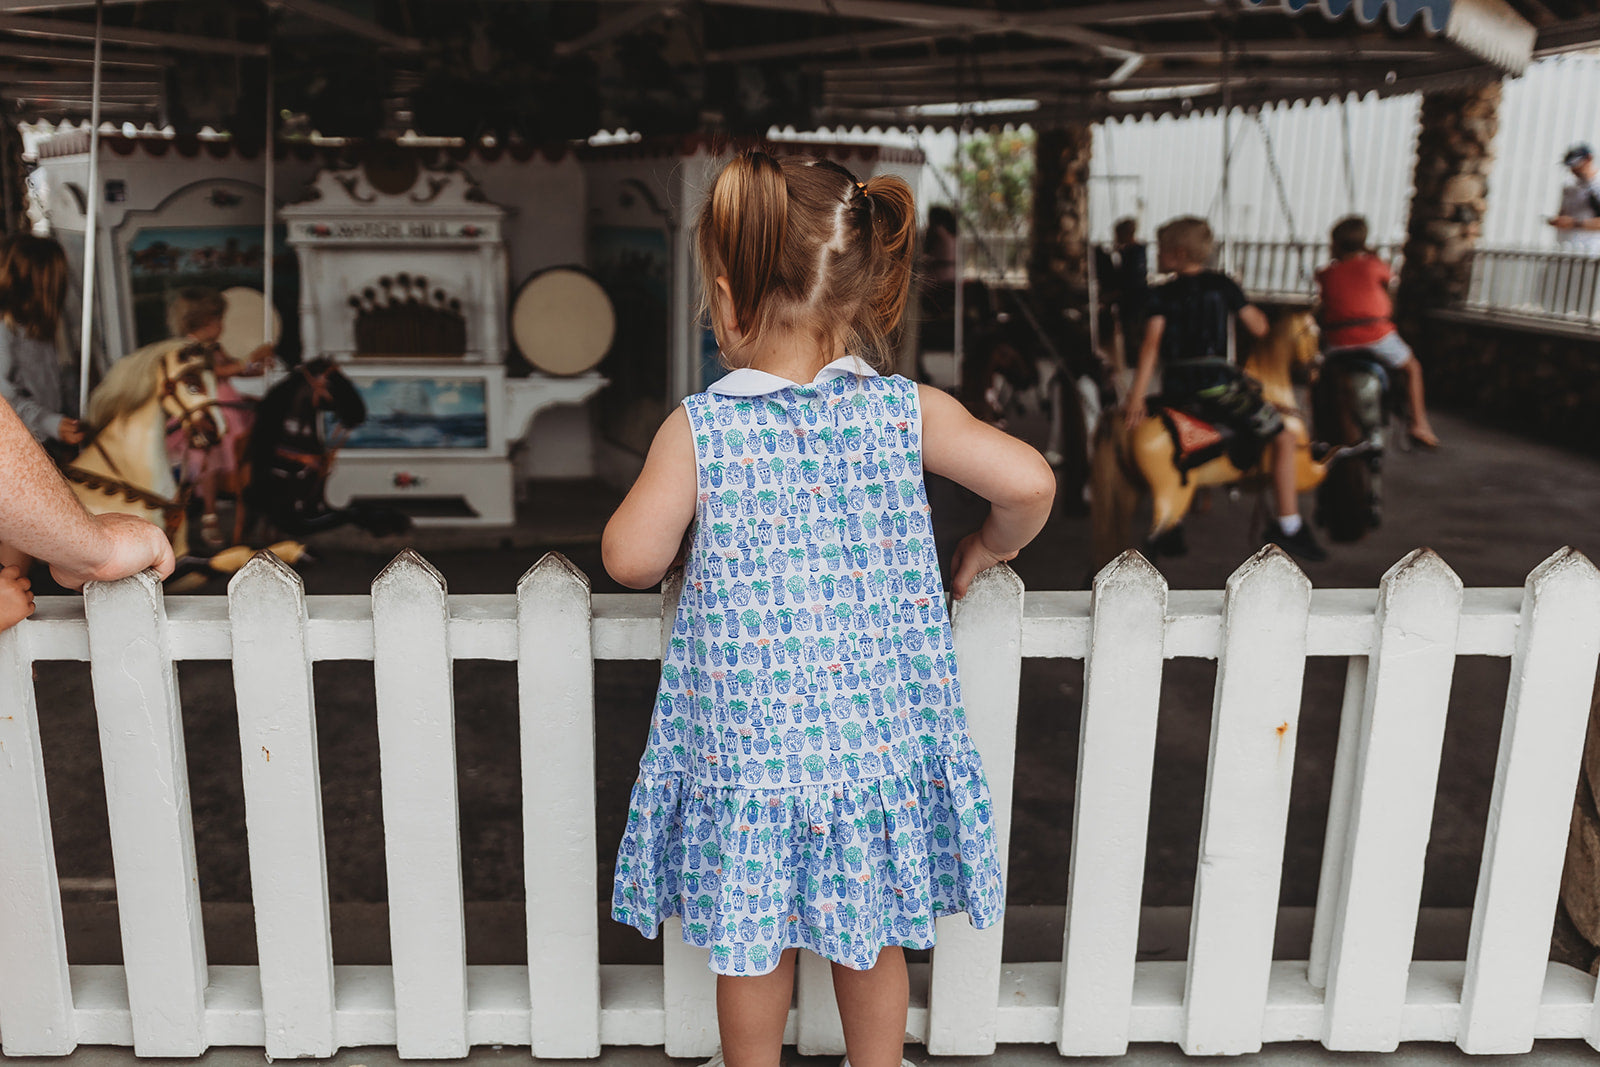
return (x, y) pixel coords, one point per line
(403, 282)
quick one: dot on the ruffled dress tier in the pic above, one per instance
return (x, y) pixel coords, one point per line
(809, 781)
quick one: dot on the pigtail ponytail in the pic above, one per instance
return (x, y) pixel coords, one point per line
(893, 221)
(741, 235)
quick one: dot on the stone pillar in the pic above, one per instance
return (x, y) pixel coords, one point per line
(1057, 264)
(1454, 154)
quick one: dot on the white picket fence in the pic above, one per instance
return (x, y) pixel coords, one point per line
(1550, 287)
(1359, 989)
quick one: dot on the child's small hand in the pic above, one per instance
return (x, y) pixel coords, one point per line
(972, 557)
(16, 597)
(1133, 415)
(69, 432)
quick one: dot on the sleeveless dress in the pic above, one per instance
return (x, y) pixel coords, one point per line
(809, 781)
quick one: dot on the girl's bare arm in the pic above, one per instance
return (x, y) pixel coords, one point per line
(643, 537)
(1011, 475)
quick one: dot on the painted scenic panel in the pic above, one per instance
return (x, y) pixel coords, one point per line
(422, 413)
(162, 260)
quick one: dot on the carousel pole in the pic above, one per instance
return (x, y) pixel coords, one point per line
(957, 341)
(91, 233)
(1227, 162)
(268, 153)
(1227, 200)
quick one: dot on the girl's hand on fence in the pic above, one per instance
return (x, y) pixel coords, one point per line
(972, 557)
(16, 597)
(131, 545)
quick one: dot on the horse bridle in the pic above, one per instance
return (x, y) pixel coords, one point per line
(320, 462)
(192, 365)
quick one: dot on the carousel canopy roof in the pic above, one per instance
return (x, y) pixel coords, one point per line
(541, 70)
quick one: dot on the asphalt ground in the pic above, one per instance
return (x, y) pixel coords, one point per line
(1493, 505)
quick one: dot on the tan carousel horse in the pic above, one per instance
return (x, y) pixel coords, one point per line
(124, 467)
(1125, 465)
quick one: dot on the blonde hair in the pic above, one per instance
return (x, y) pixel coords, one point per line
(1188, 238)
(33, 284)
(130, 383)
(194, 308)
(806, 247)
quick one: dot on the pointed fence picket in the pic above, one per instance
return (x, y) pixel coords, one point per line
(1359, 989)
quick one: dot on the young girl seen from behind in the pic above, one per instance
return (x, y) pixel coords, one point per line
(808, 780)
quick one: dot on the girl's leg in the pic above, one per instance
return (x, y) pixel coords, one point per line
(751, 1013)
(872, 1006)
(1419, 410)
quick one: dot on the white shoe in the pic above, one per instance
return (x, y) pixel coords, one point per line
(842, 1063)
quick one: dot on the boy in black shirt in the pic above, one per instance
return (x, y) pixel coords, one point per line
(1186, 330)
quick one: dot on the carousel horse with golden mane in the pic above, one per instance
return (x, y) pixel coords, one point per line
(124, 467)
(1173, 454)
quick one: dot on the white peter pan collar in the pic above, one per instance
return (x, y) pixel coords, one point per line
(747, 381)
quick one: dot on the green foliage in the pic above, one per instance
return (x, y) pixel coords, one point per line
(994, 178)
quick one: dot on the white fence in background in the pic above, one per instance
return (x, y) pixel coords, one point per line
(1359, 989)
(1157, 168)
(1561, 287)
(1286, 271)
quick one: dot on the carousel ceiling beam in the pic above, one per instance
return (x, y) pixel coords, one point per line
(979, 61)
(1569, 35)
(339, 18)
(624, 22)
(954, 19)
(1347, 49)
(35, 5)
(66, 29)
(23, 76)
(79, 103)
(48, 53)
(816, 46)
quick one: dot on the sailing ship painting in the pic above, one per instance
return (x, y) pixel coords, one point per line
(422, 413)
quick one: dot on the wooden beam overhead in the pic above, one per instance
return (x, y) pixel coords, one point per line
(340, 19)
(954, 19)
(814, 46)
(613, 27)
(68, 29)
(981, 61)
(35, 52)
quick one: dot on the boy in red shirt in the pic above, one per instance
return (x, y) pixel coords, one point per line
(1356, 311)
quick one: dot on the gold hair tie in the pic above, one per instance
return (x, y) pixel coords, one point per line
(861, 186)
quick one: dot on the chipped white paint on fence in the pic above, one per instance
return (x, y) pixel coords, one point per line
(1541, 746)
(147, 799)
(1397, 768)
(283, 807)
(1111, 814)
(422, 841)
(35, 990)
(1254, 722)
(555, 684)
(963, 997)
(1334, 836)
(1229, 996)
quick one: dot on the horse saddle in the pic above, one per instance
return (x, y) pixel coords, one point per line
(1196, 441)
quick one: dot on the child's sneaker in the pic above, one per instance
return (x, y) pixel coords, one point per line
(1302, 543)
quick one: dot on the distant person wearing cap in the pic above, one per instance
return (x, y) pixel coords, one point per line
(1578, 224)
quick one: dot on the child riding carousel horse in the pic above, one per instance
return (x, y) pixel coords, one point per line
(196, 314)
(1216, 424)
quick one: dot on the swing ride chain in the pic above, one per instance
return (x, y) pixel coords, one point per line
(1302, 277)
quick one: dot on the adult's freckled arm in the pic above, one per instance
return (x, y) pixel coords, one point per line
(38, 513)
